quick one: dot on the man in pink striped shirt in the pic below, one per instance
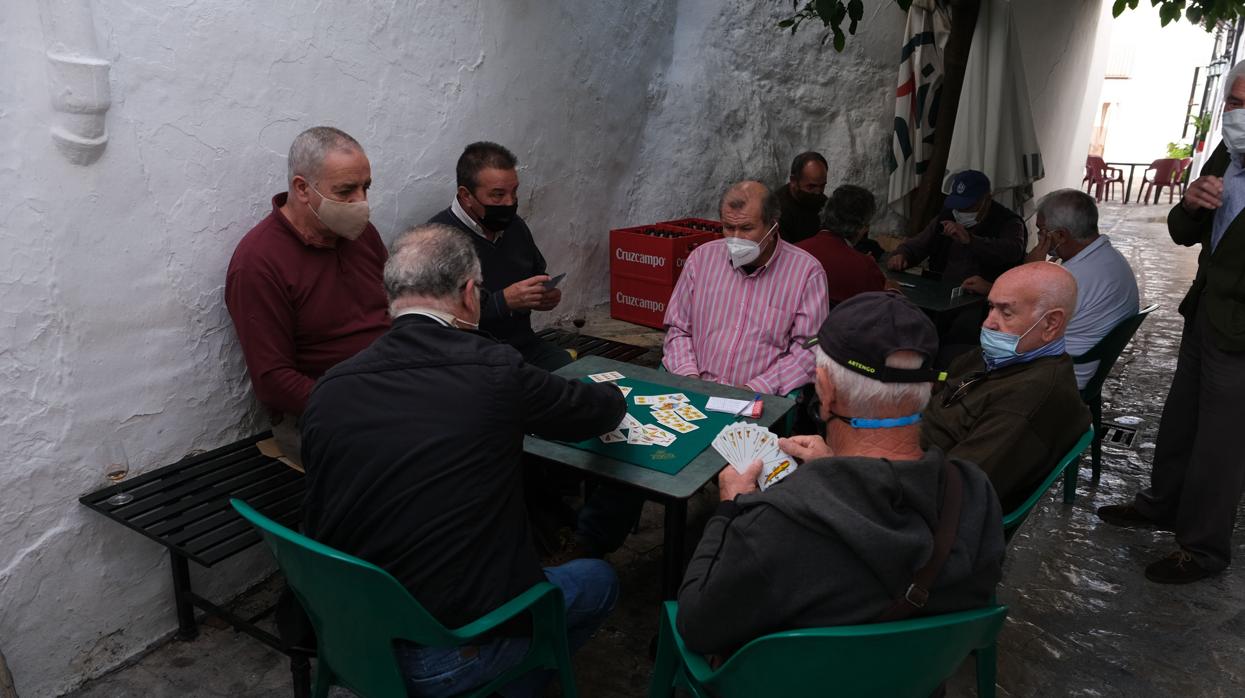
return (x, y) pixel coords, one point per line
(745, 305)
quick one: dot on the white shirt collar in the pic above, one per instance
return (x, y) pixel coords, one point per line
(458, 211)
(441, 317)
(1092, 247)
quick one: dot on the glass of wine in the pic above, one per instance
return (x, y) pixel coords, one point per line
(578, 322)
(116, 467)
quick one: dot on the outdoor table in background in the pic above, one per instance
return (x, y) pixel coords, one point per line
(1128, 187)
(931, 295)
(672, 491)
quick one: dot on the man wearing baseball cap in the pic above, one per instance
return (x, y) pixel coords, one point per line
(974, 236)
(847, 537)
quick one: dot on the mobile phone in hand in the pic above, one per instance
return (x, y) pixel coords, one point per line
(553, 283)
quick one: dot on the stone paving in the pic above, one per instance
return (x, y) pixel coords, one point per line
(1083, 621)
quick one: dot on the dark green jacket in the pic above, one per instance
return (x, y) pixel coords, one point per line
(1219, 288)
(1015, 425)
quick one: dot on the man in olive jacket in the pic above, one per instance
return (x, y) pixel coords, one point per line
(1198, 473)
(1012, 406)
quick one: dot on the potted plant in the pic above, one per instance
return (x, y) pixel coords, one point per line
(1201, 126)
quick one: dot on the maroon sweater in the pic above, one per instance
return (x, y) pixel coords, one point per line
(300, 309)
(848, 272)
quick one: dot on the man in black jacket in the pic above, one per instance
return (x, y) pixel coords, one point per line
(1199, 470)
(412, 450)
(485, 207)
(840, 540)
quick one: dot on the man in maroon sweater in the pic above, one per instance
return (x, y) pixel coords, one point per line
(304, 287)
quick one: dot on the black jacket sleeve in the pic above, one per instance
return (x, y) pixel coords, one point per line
(568, 410)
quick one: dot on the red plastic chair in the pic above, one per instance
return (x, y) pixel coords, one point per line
(1161, 173)
(1101, 177)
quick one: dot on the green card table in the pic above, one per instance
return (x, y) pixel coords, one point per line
(932, 295)
(670, 490)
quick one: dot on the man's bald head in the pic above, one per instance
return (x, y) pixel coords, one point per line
(742, 197)
(1035, 300)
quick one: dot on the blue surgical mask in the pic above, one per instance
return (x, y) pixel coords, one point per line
(744, 252)
(999, 348)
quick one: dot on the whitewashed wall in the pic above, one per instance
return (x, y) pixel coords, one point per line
(1063, 45)
(112, 318)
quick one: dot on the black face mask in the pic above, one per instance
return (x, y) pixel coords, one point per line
(497, 218)
(810, 200)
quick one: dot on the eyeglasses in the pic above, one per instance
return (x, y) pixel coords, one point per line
(962, 389)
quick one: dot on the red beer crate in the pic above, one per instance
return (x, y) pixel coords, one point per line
(653, 253)
(700, 225)
(639, 301)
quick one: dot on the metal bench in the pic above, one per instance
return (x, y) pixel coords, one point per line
(587, 345)
(185, 508)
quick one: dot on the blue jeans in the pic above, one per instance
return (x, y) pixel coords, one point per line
(589, 589)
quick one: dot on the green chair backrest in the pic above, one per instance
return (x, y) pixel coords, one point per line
(359, 609)
(902, 658)
(1012, 521)
(1108, 349)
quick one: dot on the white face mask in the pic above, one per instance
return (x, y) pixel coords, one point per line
(965, 218)
(344, 219)
(1234, 130)
(744, 252)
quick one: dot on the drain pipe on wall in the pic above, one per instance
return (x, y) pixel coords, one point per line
(77, 79)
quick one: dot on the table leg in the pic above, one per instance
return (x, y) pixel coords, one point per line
(187, 629)
(1128, 189)
(673, 534)
(300, 667)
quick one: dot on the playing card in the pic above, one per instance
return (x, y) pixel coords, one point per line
(626, 389)
(647, 399)
(657, 434)
(665, 406)
(628, 422)
(690, 413)
(636, 437)
(680, 425)
(612, 437)
(607, 376)
(775, 470)
(674, 397)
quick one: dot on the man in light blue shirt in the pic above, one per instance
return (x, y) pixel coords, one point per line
(1106, 289)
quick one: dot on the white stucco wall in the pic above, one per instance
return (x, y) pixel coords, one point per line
(112, 273)
(1063, 47)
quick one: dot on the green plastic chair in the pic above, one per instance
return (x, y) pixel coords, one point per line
(902, 658)
(359, 610)
(1012, 521)
(1105, 352)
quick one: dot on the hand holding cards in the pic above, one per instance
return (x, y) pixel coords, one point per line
(742, 443)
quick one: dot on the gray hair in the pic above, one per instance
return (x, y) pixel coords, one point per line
(869, 397)
(848, 211)
(431, 261)
(309, 148)
(1237, 73)
(737, 197)
(1071, 210)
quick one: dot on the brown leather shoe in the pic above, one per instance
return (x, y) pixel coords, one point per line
(1176, 568)
(1129, 516)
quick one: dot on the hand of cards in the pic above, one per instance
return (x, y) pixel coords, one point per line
(742, 443)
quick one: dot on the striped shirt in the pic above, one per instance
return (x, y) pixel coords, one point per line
(746, 330)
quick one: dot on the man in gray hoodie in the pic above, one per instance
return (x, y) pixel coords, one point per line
(849, 537)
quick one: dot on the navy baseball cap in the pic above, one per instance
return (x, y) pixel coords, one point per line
(863, 330)
(967, 188)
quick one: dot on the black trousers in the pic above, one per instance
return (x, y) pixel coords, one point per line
(1199, 465)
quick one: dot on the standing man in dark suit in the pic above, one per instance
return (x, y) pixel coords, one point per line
(486, 208)
(1199, 468)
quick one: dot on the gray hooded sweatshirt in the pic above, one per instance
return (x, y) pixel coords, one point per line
(834, 544)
